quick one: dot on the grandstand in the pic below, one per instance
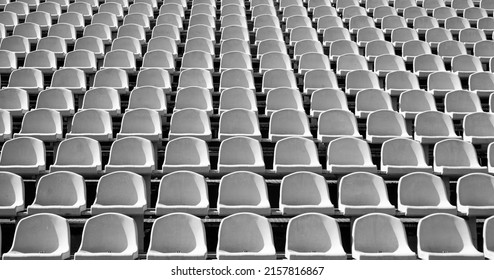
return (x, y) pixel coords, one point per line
(260, 129)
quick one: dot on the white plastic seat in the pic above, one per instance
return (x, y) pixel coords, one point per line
(486, 24)
(443, 13)
(382, 11)
(73, 18)
(474, 13)
(197, 60)
(141, 8)
(23, 156)
(29, 30)
(234, 32)
(92, 44)
(478, 128)
(108, 236)
(484, 50)
(243, 191)
(470, 36)
(435, 36)
(401, 35)
(99, 30)
(201, 31)
(177, 236)
(433, 126)
(60, 193)
(127, 43)
(140, 19)
(166, 30)
(234, 18)
(398, 82)
(235, 60)
(11, 194)
(43, 124)
(72, 81)
(449, 49)
(413, 102)
(453, 157)
(58, 99)
(190, 122)
(169, 18)
(159, 59)
(283, 98)
(232, 78)
(402, 156)
(106, 18)
(475, 194)
(383, 125)
(28, 79)
(114, 7)
(121, 192)
(341, 47)
(113, 78)
(142, 122)
(358, 22)
(20, 8)
(413, 49)
(334, 34)
(237, 98)
(445, 236)
(9, 19)
(376, 48)
(156, 77)
(412, 11)
(296, 154)
(357, 80)
(15, 101)
(401, 5)
(203, 19)
(350, 62)
(336, 123)
(268, 33)
(183, 191)
(199, 44)
(134, 154)
(17, 44)
(349, 154)
(65, 31)
(234, 45)
(270, 45)
(265, 20)
(274, 60)
(293, 10)
(78, 154)
(8, 61)
(239, 122)
(459, 103)
(426, 64)
(149, 97)
(92, 123)
(40, 237)
(195, 78)
(361, 193)
(287, 123)
(81, 59)
(240, 153)
(194, 97)
(328, 21)
(245, 236)
(173, 8)
(424, 23)
(392, 22)
(104, 98)
(368, 34)
(465, 65)
(135, 31)
(442, 82)
(186, 153)
(319, 79)
(307, 46)
(276, 78)
(371, 100)
(121, 59)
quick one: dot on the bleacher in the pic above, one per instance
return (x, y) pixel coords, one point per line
(260, 129)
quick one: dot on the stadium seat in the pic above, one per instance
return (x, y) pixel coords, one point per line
(410, 10)
(61, 193)
(40, 237)
(240, 153)
(19, 45)
(121, 192)
(20, 8)
(173, 8)
(270, 45)
(350, 62)
(183, 191)
(399, 36)
(28, 79)
(484, 51)
(473, 14)
(9, 19)
(59, 99)
(319, 79)
(142, 20)
(190, 122)
(334, 34)
(414, 48)
(276, 78)
(475, 194)
(73, 18)
(127, 43)
(14, 100)
(358, 22)
(108, 236)
(442, 82)
(12, 193)
(296, 154)
(383, 125)
(470, 36)
(306, 46)
(159, 59)
(313, 236)
(392, 22)
(156, 77)
(106, 18)
(78, 154)
(378, 236)
(349, 154)
(283, 98)
(134, 154)
(361, 193)
(424, 23)
(486, 24)
(371, 100)
(426, 64)
(197, 60)
(245, 236)
(69, 81)
(5, 125)
(336, 123)
(433, 126)
(234, 32)
(92, 123)
(231, 78)
(360, 79)
(435, 36)
(351, 11)
(399, 81)
(43, 124)
(368, 34)
(341, 47)
(234, 18)
(415, 101)
(481, 83)
(92, 44)
(478, 128)
(195, 78)
(186, 153)
(177, 236)
(453, 157)
(201, 31)
(142, 122)
(293, 10)
(121, 59)
(328, 21)
(199, 44)
(237, 98)
(239, 122)
(264, 20)
(194, 97)
(449, 49)
(65, 31)
(166, 30)
(488, 236)
(8, 61)
(287, 123)
(274, 60)
(234, 45)
(445, 236)
(104, 98)
(402, 156)
(459, 103)
(382, 11)
(99, 30)
(376, 48)
(113, 78)
(135, 31)
(81, 59)
(243, 191)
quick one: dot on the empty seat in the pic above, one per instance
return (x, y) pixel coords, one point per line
(105, 18)
(473, 14)
(8, 61)
(201, 31)
(288, 122)
(156, 77)
(234, 32)
(29, 30)
(435, 36)
(19, 45)
(445, 236)
(92, 44)
(319, 79)
(376, 48)
(424, 23)
(382, 11)
(402, 5)
(350, 62)
(9, 19)
(59, 99)
(142, 122)
(5, 125)
(357, 80)
(121, 59)
(194, 97)
(236, 78)
(349, 154)
(398, 82)
(113, 78)
(371, 100)
(334, 34)
(484, 50)
(11, 193)
(234, 45)
(43, 60)
(129, 44)
(274, 60)
(80, 155)
(283, 98)
(403, 34)
(453, 157)
(449, 49)
(391, 22)
(142, 20)
(240, 153)
(341, 47)
(276, 78)
(177, 236)
(40, 237)
(361, 193)
(237, 97)
(236, 60)
(380, 236)
(28, 79)
(470, 36)
(459, 103)
(351, 11)
(92, 123)
(159, 59)
(243, 191)
(199, 44)
(465, 65)
(186, 153)
(478, 128)
(383, 125)
(239, 122)
(73, 18)
(296, 154)
(140, 160)
(190, 122)
(328, 21)
(307, 46)
(415, 48)
(99, 30)
(336, 123)
(402, 156)
(43, 124)
(245, 236)
(104, 98)
(197, 60)
(135, 31)
(265, 20)
(475, 194)
(195, 78)
(20, 8)
(61, 193)
(24, 155)
(131, 190)
(440, 83)
(368, 34)
(14, 100)
(183, 191)
(65, 31)
(415, 101)
(433, 126)
(426, 64)
(71, 79)
(108, 236)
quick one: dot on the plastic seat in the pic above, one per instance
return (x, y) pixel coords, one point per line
(349, 62)
(447, 50)
(307, 46)
(140, 160)
(40, 237)
(186, 153)
(392, 22)
(43, 60)
(195, 78)
(141, 8)
(484, 50)
(12, 194)
(239, 122)
(322, 11)
(234, 45)
(129, 44)
(194, 97)
(203, 8)
(402, 156)
(240, 153)
(383, 125)
(456, 24)
(293, 10)
(142, 20)
(237, 60)
(197, 60)
(92, 123)
(135, 31)
(376, 48)
(112, 77)
(142, 122)
(163, 43)
(43, 19)
(23, 156)
(29, 30)
(421, 194)
(148, 97)
(131, 190)
(283, 98)
(105, 18)
(237, 98)
(177, 236)
(8, 61)
(169, 18)
(358, 22)
(201, 31)
(465, 65)
(478, 128)
(349, 154)
(173, 8)
(440, 83)
(453, 157)
(80, 155)
(14, 100)
(235, 18)
(402, 5)
(156, 77)
(92, 44)
(9, 19)
(401, 35)
(319, 79)
(415, 48)
(459, 103)
(424, 23)
(232, 78)
(368, 34)
(460, 6)
(159, 59)
(99, 30)
(296, 154)
(473, 14)
(433, 126)
(388, 63)
(443, 13)
(445, 236)
(66, 82)
(382, 11)
(104, 98)
(115, 7)
(58, 99)
(55, 44)
(412, 102)
(470, 36)
(435, 36)
(5, 125)
(426, 64)
(43, 124)
(276, 78)
(81, 59)
(328, 21)
(190, 122)
(371, 100)
(336, 123)
(475, 194)
(265, 20)
(199, 44)
(268, 33)
(121, 59)
(360, 79)
(28, 79)
(20, 8)
(287, 123)
(234, 32)
(398, 82)
(342, 47)
(108, 236)
(270, 45)
(333, 34)
(361, 193)
(351, 11)
(73, 18)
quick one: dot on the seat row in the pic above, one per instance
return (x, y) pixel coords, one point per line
(248, 236)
